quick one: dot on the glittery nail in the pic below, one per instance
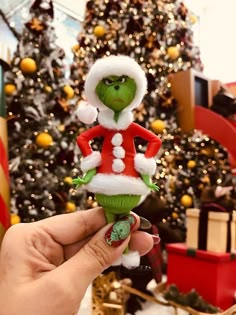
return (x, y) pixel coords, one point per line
(144, 224)
(120, 230)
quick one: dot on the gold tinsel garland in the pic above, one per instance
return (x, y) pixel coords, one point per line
(109, 296)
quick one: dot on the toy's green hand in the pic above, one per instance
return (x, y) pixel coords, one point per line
(86, 179)
(147, 180)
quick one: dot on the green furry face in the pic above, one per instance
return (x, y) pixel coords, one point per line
(116, 92)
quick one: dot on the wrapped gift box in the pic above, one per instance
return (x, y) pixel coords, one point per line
(211, 230)
(210, 274)
(231, 87)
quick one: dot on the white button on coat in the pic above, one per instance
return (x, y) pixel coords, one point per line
(118, 152)
(117, 139)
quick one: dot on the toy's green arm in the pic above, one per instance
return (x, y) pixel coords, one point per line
(147, 180)
(86, 179)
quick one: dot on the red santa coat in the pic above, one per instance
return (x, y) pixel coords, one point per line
(118, 165)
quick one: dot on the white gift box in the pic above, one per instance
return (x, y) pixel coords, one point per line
(221, 230)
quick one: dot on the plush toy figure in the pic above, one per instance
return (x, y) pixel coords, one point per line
(118, 175)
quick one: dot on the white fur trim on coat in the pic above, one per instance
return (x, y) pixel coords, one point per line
(106, 119)
(143, 165)
(111, 184)
(91, 161)
(115, 65)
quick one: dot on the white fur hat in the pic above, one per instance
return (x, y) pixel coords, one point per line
(114, 65)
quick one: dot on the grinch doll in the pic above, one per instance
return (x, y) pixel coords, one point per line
(119, 177)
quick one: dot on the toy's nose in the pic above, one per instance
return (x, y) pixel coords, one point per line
(116, 87)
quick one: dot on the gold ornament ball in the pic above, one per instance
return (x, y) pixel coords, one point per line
(186, 201)
(48, 89)
(70, 206)
(173, 52)
(99, 31)
(191, 164)
(75, 48)
(169, 158)
(187, 181)
(68, 180)
(69, 91)
(28, 65)
(158, 126)
(15, 219)
(44, 140)
(61, 128)
(174, 215)
(193, 19)
(9, 88)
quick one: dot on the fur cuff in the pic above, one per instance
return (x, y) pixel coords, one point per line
(143, 165)
(131, 260)
(91, 161)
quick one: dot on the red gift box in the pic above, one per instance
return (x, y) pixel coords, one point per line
(210, 274)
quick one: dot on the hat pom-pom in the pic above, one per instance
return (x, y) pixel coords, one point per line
(86, 112)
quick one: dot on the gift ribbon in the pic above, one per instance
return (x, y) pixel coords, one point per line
(203, 224)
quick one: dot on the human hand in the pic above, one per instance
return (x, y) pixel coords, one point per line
(46, 266)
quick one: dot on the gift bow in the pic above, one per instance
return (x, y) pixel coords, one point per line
(222, 191)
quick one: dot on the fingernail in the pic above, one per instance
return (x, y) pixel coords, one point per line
(144, 224)
(120, 230)
(156, 239)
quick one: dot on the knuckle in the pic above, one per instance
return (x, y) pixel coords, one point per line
(59, 289)
(83, 223)
(98, 251)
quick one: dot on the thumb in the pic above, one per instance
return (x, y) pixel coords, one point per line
(92, 259)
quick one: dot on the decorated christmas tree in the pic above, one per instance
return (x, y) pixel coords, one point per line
(159, 36)
(42, 149)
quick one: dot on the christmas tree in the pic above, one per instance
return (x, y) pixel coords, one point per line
(159, 36)
(42, 149)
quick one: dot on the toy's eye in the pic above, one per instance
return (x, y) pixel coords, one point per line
(107, 81)
(122, 79)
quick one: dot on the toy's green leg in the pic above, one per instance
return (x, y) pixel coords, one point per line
(116, 207)
(110, 217)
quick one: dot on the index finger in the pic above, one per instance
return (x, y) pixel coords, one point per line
(72, 227)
